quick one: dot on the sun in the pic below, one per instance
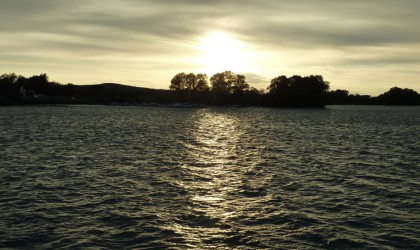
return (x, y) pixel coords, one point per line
(221, 51)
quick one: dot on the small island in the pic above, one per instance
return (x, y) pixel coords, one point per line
(191, 90)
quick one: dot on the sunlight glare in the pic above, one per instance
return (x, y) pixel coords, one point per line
(221, 51)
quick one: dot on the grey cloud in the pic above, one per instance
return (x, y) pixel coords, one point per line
(168, 27)
(383, 60)
(145, 30)
(274, 23)
(256, 80)
(335, 27)
(309, 36)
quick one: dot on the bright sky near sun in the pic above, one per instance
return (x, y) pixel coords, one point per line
(363, 46)
(221, 52)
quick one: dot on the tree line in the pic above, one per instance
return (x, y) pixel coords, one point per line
(37, 89)
(296, 91)
(221, 89)
(224, 88)
(230, 88)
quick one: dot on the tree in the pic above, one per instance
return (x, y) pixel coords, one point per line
(222, 82)
(308, 91)
(189, 82)
(7, 82)
(39, 84)
(202, 83)
(228, 87)
(253, 96)
(279, 91)
(239, 88)
(189, 87)
(229, 82)
(399, 96)
(179, 82)
(240, 85)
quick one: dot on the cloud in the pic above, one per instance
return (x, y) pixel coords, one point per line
(268, 23)
(257, 81)
(334, 23)
(146, 34)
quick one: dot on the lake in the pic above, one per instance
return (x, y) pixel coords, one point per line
(221, 178)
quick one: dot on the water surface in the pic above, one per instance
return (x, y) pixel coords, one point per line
(248, 178)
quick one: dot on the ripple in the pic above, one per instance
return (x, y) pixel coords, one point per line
(252, 178)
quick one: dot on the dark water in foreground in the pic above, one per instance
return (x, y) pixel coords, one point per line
(248, 178)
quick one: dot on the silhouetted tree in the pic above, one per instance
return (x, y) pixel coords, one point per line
(179, 82)
(202, 83)
(280, 91)
(200, 89)
(338, 96)
(240, 85)
(360, 99)
(7, 84)
(38, 83)
(223, 82)
(228, 87)
(253, 96)
(306, 91)
(239, 88)
(189, 87)
(399, 96)
(190, 81)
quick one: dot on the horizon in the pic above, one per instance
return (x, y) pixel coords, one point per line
(262, 89)
(355, 46)
(265, 89)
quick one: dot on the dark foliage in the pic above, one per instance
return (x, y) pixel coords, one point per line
(229, 88)
(15, 90)
(189, 88)
(225, 88)
(342, 97)
(399, 96)
(297, 91)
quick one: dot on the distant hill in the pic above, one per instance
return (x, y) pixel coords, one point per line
(107, 93)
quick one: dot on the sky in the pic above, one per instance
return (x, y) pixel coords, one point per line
(364, 46)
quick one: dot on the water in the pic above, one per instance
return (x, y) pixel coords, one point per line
(221, 178)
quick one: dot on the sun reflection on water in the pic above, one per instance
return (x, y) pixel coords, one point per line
(211, 163)
(214, 173)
